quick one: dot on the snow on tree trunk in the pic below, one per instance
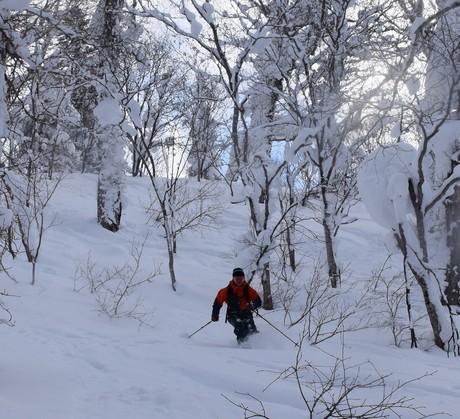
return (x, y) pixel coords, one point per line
(111, 178)
(109, 186)
(108, 32)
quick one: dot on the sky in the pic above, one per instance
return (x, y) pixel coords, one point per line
(65, 359)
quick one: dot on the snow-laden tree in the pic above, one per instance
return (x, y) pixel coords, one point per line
(412, 207)
(413, 189)
(42, 118)
(272, 22)
(80, 52)
(32, 121)
(442, 96)
(110, 31)
(96, 58)
(283, 66)
(317, 78)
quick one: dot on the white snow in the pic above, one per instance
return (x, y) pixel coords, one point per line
(63, 359)
(14, 4)
(382, 178)
(108, 111)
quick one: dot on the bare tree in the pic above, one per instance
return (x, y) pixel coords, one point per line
(206, 150)
(153, 97)
(178, 205)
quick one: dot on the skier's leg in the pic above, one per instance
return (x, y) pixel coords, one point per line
(251, 325)
(240, 327)
(245, 328)
(236, 323)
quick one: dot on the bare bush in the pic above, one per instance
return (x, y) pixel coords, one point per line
(338, 389)
(392, 304)
(27, 197)
(341, 390)
(325, 311)
(8, 319)
(248, 411)
(118, 288)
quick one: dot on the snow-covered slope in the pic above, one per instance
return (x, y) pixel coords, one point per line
(64, 360)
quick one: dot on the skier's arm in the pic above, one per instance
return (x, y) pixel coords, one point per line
(218, 302)
(215, 311)
(256, 302)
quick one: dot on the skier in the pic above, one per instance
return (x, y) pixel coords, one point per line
(241, 300)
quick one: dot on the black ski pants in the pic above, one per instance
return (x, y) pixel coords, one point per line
(243, 324)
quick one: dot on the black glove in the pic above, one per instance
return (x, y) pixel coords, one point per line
(214, 317)
(249, 306)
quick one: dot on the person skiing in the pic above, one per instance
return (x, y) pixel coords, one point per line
(241, 300)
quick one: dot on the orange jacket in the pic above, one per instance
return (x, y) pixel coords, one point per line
(243, 297)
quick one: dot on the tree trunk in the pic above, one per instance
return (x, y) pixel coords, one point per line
(431, 310)
(267, 303)
(435, 315)
(172, 272)
(108, 216)
(333, 270)
(290, 247)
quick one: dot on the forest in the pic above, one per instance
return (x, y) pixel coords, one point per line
(292, 104)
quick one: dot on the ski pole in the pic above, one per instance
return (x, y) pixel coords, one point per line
(202, 327)
(274, 327)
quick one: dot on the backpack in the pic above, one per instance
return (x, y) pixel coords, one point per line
(233, 302)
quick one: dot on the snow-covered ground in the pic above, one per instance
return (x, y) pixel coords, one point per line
(64, 360)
